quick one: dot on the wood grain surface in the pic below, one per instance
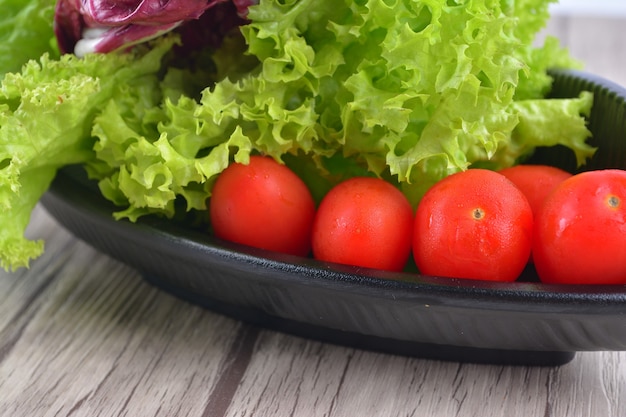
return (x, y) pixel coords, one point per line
(83, 335)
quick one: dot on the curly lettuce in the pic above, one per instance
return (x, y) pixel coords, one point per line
(46, 111)
(407, 90)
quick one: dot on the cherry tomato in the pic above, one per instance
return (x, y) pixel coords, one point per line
(263, 204)
(473, 224)
(365, 222)
(535, 181)
(580, 232)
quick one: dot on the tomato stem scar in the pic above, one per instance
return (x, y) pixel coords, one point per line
(613, 201)
(478, 213)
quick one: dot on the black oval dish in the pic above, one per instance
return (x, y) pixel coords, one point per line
(439, 318)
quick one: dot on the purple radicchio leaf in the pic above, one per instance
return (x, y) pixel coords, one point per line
(85, 26)
(242, 6)
(209, 29)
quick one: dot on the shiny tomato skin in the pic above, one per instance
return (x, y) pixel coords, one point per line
(263, 204)
(473, 224)
(365, 222)
(580, 232)
(535, 181)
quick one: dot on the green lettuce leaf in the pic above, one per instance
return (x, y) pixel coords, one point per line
(46, 117)
(152, 159)
(149, 172)
(544, 123)
(411, 91)
(26, 32)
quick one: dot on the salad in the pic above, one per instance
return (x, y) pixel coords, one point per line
(155, 99)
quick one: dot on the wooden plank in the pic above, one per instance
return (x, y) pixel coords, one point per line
(84, 335)
(294, 377)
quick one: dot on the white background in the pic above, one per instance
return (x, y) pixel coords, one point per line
(590, 7)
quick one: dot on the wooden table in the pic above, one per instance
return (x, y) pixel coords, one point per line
(83, 335)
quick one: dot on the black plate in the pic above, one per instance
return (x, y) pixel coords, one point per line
(464, 320)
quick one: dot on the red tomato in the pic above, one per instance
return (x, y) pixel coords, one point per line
(365, 222)
(535, 181)
(580, 232)
(473, 224)
(263, 204)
